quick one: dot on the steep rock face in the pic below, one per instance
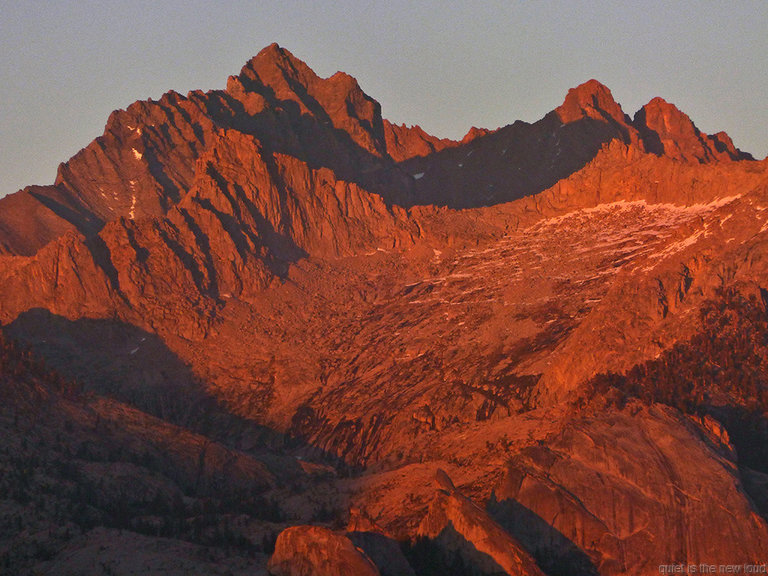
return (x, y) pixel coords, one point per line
(295, 209)
(594, 101)
(460, 527)
(668, 131)
(248, 213)
(325, 122)
(658, 476)
(28, 220)
(63, 276)
(145, 159)
(724, 143)
(316, 551)
(139, 167)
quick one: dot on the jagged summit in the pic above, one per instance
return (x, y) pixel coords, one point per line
(280, 80)
(590, 100)
(276, 67)
(475, 132)
(275, 56)
(406, 142)
(659, 127)
(668, 131)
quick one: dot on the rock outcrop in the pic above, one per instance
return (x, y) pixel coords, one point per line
(658, 479)
(460, 528)
(316, 551)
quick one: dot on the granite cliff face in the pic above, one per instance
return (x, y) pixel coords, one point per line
(273, 294)
(650, 465)
(465, 532)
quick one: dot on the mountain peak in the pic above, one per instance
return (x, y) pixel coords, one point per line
(667, 130)
(474, 133)
(273, 51)
(276, 54)
(665, 117)
(723, 143)
(273, 63)
(275, 77)
(591, 99)
(591, 88)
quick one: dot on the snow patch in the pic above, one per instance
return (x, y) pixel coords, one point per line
(419, 175)
(628, 205)
(680, 245)
(132, 212)
(136, 154)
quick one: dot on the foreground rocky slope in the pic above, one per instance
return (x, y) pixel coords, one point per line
(653, 503)
(289, 311)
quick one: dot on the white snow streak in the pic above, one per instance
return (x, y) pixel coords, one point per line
(132, 212)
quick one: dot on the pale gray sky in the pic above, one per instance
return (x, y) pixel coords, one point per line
(65, 65)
